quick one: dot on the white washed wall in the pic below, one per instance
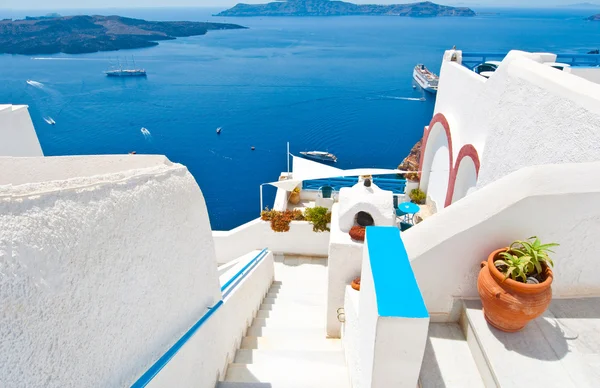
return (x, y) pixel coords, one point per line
(257, 234)
(99, 274)
(539, 115)
(17, 134)
(522, 105)
(446, 251)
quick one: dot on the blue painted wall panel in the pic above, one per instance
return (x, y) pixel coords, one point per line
(396, 288)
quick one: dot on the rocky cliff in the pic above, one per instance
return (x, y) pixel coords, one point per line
(340, 8)
(88, 34)
(411, 162)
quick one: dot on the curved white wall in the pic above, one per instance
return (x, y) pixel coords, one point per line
(437, 139)
(460, 95)
(100, 273)
(446, 251)
(466, 179)
(17, 134)
(439, 176)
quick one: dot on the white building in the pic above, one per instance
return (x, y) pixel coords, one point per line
(110, 274)
(525, 114)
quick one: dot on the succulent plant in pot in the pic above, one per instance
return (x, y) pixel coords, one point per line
(295, 196)
(514, 284)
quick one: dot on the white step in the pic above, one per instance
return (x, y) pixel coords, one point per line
(306, 332)
(300, 312)
(236, 384)
(290, 302)
(448, 362)
(300, 357)
(285, 342)
(560, 349)
(291, 321)
(289, 375)
(295, 293)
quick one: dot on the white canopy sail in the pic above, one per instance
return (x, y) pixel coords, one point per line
(303, 170)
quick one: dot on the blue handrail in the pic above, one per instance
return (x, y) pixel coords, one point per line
(169, 354)
(239, 273)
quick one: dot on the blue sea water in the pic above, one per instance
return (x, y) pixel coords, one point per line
(342, 84)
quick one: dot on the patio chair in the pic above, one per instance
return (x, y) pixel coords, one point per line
(325, 191)
(405, 226)
(324, 198)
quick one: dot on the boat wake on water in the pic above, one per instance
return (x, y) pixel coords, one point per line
(402, 98)
(35, 84)
(146, 133)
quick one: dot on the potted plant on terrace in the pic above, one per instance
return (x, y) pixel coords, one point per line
(514, 284)
(295, 196)
(417, 196)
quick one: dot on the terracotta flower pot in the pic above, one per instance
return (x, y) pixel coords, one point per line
(509, 305)
(356, 284)
(294, 198)
(357, 233)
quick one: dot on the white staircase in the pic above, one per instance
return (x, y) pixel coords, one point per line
(560, 349)
(286, 345)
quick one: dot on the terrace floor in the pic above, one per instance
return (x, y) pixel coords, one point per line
(559, 349)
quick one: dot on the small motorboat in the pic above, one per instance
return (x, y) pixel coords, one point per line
(219, 130)
(49, 120)
(320, 155)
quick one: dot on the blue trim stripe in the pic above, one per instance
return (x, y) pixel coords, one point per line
(396, 288)
(169, 354)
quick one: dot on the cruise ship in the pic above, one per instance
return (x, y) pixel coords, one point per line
(126, 72)
(426, 79)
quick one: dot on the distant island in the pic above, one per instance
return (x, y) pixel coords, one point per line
(595, 18)
(340, 8)
(89, 34)
(583, 5)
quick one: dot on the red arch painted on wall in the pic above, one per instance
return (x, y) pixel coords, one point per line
(468, 150)
(438, 118)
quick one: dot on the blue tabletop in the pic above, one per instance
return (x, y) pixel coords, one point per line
(408, 207)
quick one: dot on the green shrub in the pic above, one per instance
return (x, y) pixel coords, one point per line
(319, 217)
(417, 196)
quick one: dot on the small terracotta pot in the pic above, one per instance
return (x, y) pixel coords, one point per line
(509, 305)
(356, 283)
(294, 198)
(357, 233)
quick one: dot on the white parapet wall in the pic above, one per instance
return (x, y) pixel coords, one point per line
(17, 134)
(344, 264)
(257, 234)
(101, 268)
(447, 249)
(386, 332)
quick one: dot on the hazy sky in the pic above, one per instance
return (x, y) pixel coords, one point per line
(62, 4)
